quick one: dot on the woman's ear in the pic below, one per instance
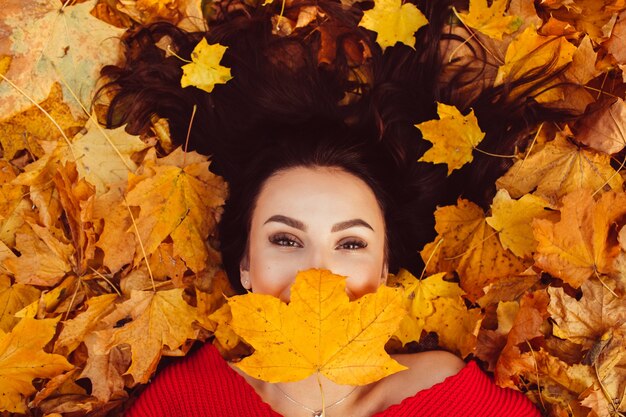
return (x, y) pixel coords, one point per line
(384, 274)
(244, 273)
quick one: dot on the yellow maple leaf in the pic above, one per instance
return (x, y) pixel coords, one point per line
(12, 299)
(320, 330)
(455, 324)
(22, 359)
(490, 20)
(579, 245)
(453, 136)
(393, 22)
(436, 305)
(468, 245)
(531, 52)
(159, 319)
(25, 129)
(205, 70)
(558, 168)
(512, 219)
(182, 203)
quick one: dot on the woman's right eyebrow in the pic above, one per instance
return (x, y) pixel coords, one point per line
(279, 218)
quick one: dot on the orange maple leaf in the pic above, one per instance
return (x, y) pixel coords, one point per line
(579, 245)
(468, 245)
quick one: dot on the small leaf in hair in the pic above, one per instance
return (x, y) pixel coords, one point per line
(454, 136)
(394, 22)
(205, 70)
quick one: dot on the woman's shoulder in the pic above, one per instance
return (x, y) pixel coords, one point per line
(202, 383)
(440, 383)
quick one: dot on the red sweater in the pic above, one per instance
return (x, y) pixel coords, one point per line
(204, 385)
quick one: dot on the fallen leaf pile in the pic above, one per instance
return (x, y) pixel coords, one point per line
(107, 256)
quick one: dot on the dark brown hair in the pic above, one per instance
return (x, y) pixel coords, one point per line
(284, 107)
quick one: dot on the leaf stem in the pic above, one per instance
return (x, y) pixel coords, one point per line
(494, 154)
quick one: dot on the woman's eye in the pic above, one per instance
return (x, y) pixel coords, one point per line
(352, 244)
(285, 240)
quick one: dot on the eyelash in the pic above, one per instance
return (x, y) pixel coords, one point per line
(287, 240)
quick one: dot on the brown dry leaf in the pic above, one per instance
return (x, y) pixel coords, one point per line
(183, 203)
(579, 245)
(508, 288)
(117, 239)
(105, 366)
(583, 68)
(490, 343)
(75, 330)
(164, 264)
(319, 331)
(49, 43)
(44, 259)
(468, 245)
(585, 321)
(558, 168)
(22, 359)
(531, 316)
(26, 129)
(604, 127)
(13, 204)
(512, 219)
(13, 298)
(77, 199)
(615, 44)
(158, 320)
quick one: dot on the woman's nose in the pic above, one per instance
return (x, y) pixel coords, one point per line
(319, 259)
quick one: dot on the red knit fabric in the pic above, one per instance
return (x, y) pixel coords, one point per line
(203, 385)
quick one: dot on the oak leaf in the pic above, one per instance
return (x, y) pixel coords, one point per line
(558, 168)
(490, 19)
(49, 43)
(468, 245)
(182, 203)
(320, 330)
(22, 359)
(453, 135)
(512, 219)
(158, 319)
(205, 71)
(579, 245)
(393, 22)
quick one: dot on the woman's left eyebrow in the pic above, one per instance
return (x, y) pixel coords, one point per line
(337, 227)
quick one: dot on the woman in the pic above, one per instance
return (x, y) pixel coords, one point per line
(319, 206)
(320, 153)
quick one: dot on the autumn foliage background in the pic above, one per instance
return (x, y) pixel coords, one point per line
(107, 245)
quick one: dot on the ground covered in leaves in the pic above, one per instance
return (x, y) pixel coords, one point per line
(106, 255)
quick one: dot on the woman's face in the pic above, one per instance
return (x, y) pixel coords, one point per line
(315, 217)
